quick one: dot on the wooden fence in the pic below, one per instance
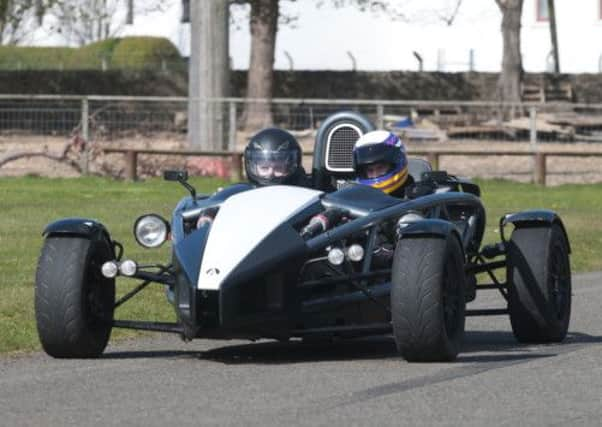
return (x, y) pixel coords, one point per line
(433, 156)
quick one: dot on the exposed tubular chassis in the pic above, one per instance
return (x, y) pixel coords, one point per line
(434, 205)
(273, 275)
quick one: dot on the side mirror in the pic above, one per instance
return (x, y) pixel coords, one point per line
(175, 175)
(181, 177)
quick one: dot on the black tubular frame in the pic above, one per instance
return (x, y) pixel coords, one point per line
(369, 224)
(142, 325)
(163, 277)
(148, 277)
(373, 218)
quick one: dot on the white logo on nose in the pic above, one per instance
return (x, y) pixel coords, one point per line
(212, 271)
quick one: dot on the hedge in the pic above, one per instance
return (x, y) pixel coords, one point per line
(115, 53)
(134, 52)
(36, 58)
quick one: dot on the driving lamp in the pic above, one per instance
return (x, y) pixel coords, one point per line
(355, 252)
(336, 256)
(109, 269)
(151, 231)
(128, 268)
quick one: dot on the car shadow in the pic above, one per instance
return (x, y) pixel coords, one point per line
(479, 346)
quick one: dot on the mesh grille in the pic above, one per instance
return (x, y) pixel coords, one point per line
(340, 149)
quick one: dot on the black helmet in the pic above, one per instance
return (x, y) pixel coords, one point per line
(273, 156)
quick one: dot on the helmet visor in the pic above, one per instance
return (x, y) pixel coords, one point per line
(265, 164)
(376, 154)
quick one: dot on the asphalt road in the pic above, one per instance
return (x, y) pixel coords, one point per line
(163, 381)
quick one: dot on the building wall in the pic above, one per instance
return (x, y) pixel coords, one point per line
(579, 30)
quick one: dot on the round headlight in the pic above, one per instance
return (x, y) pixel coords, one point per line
(151, 231)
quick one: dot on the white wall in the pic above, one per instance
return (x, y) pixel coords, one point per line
(579, 36)
(322, 37)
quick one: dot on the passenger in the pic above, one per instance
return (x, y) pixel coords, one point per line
(380, 161)
(273, 157)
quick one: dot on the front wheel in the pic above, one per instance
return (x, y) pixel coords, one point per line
(73, 301)
(539, 278)
(427, 298)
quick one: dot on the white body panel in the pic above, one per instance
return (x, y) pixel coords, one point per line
(242, 222)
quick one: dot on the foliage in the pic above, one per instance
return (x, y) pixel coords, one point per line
(17, 17)
(117, 53)
(86, 21)
(33, 57)
(93, 54)
(133, 51)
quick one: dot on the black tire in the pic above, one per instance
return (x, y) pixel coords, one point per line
(73, 302)
(539, 279)
(427, 298)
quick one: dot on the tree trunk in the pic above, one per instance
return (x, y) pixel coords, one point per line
(263, 25)
(554, 35)
(509, 84)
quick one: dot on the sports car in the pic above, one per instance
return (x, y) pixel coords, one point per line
(333, 261)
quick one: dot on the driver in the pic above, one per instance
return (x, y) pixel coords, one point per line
(380, 161)
(273, 157)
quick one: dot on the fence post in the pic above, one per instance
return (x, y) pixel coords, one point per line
(131, 163)
(232, 127)
(533, 140)
(471, 60)
(380, 116)
(236, 170)
(540, 168)
(533, 127)
(85, 136)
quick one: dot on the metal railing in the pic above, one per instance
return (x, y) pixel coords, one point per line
(108, 117)
(128, 122)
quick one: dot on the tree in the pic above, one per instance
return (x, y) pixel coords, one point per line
(263, 26)
(553, 35)
(85, 21)
(17, 17)
(264, 20)
(509, 83)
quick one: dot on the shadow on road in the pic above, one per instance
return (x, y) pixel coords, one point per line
(479, 346)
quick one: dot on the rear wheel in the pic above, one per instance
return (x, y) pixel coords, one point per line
(427, 298)
(539, 278)
(73, 301)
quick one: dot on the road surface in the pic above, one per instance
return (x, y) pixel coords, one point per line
(162, 381)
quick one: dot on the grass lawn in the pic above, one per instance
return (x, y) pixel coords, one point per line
(28, 204)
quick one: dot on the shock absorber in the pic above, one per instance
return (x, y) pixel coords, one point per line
(322, 222)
